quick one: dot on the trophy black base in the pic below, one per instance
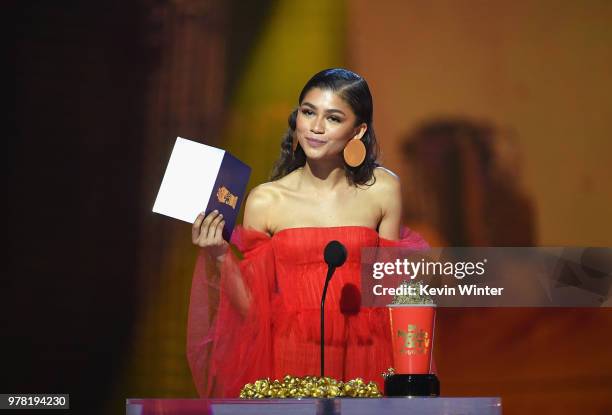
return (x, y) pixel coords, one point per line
(412, 385)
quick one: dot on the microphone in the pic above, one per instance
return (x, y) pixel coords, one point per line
(334, 255)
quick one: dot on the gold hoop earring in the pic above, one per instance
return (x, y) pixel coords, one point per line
(354, 152)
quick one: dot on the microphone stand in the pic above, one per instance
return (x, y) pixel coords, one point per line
(330, 272)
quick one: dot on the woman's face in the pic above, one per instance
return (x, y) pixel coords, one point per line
(325, 123)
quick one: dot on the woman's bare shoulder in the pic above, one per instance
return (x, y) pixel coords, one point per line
(261, 197)
(387, 193)
(276, 188)
(257, 205)
(262, 201)
(385, 180)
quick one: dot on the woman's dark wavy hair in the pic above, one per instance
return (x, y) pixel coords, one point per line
(353, 89)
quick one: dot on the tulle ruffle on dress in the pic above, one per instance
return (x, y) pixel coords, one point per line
(258, 315)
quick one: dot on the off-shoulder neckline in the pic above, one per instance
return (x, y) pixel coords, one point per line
(308, 228)
(242, 236)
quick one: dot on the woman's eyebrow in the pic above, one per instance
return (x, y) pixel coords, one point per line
(308, 104)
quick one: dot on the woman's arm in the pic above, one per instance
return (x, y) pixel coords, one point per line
(206, 233)
(255, 217)
(388, 193)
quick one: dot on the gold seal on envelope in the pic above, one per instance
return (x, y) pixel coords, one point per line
(225, 196)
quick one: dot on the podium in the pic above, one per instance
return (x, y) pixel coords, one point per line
(309, 406)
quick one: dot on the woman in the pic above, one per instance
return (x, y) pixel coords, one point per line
(326, 186)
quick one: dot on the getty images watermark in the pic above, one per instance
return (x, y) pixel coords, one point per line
(489, 277)
(404, 267)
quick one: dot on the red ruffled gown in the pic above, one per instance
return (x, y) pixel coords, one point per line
(279, 334)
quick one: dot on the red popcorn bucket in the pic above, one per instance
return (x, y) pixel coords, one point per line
(412, 331)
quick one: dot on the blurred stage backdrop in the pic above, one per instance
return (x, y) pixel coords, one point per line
(496, 115)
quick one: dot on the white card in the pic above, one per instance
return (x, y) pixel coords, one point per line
(189, 180)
